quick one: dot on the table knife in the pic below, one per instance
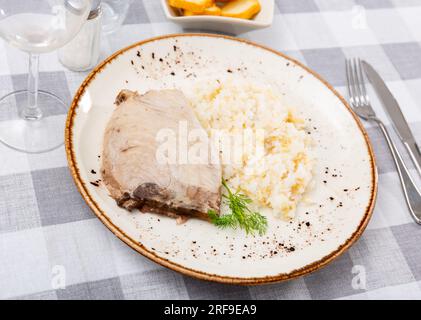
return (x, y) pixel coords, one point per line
(395, 114)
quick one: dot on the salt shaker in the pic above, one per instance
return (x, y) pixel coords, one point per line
(82, 53)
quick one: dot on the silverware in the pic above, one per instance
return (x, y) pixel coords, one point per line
(395, 114)
(361, 104)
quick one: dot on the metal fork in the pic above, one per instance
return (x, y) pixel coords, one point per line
(360, 102)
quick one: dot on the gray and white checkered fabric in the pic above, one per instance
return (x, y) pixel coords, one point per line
(45, 224)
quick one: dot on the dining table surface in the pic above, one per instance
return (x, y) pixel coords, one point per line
(53, 247)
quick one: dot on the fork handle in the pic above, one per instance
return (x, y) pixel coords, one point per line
(412, 193)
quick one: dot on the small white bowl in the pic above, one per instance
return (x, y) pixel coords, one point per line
(223, 24)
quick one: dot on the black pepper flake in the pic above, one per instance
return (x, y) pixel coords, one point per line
(161, 60)
(138, 54)
(131, 61)
(345, 190)
(194, 242)
(332, 198)
(94, 184)
(229, 70)
(288, 64)
(291, 249)
(308, 224)
(173, 73)
(153, 55)
(324, 181)
(357, 188)
(93, 171)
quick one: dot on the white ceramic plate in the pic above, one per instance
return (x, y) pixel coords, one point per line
(345, 182)
(223, 24)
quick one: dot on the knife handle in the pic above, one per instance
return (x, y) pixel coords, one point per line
(412, 194)
(415, 154)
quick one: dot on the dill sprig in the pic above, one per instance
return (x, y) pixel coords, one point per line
(241, 216)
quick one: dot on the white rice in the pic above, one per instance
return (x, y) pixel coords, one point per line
(278, 177)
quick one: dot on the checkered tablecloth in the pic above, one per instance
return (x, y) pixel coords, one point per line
(46, 229)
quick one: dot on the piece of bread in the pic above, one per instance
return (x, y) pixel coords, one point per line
(191, 5)
(244, 9)
(211, 11)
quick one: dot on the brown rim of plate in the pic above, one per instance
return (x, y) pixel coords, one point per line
(177, 267)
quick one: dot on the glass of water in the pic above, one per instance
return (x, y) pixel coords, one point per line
(113, 14)
(32, 121)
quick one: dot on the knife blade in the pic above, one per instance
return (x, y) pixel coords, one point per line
(395, 114)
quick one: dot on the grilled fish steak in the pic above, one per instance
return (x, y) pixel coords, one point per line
(130, 168)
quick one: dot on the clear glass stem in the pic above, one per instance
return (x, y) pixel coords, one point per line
(32, 111)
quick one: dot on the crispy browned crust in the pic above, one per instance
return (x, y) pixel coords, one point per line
(149, 206)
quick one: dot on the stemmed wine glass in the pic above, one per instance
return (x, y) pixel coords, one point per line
(32, 120)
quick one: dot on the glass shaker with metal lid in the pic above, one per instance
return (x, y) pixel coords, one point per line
(82, 53)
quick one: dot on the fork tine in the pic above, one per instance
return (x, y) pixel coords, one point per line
(364, 95)
(348, 80)
(357, 82)
(351, 84)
